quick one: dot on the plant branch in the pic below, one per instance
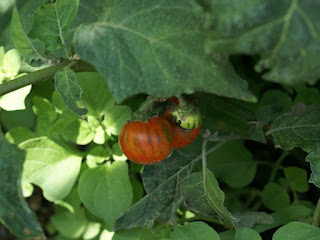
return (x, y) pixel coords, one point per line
(43, 75)
(277, 166)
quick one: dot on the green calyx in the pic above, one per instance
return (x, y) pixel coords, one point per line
(187, 117)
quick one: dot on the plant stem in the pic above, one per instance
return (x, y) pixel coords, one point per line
(43, 75)
(277, 165)
(316, 215)
(182, 102)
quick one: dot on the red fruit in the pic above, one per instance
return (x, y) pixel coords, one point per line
(181, 137)
(147, 142)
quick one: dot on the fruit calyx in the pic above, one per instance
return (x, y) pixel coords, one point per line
(186, 115)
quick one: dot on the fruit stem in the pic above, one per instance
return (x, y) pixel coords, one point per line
(182, 102)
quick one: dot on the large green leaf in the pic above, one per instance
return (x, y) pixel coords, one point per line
(297, 231)
(52, 21)
(161, 182)
(21, 41)
(203, 195)
(275, 196)
(233, 155)
(155, 48)
(106, 190)
(298, 128)
(286, 34)
(14, 211)
(51, 165)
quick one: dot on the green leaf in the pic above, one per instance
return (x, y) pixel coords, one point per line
(307, 95)
(116, 118)
(65, 82)
(117, 154)
(160, 178)
(15, 100)
(52, 21)
(228, 234)
(272, 104)
(20, 118)
(286, 215)
(100, 192)
(314, 159)
(249, 219)
(161, 58)
(194, 230)
(132, 234)
(21, 41)
(274, 196)
(43, 108)
(92, 230)
(285, 34)
(18, 135)
(297, 178)
(78, 132)
(51, 165)
(297, 231)
(203, 195)
(14, 211)
(70, 225)
(229, 157)
(95, 93)
(98, 155)
(11, 63)
(247, 234)
(70, 222)
(297, 128)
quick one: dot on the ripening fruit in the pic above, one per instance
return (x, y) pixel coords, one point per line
(147, 142)
(181, 137)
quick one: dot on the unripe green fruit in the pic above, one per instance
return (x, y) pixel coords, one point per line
(188, 117)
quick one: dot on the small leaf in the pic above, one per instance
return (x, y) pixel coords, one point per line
(229, 157)
(21, 41)
(247, 234)
(70, 221)
(52, 20)
(159, 58)
(194, 230)
(298, 128)
(297, 231)
(160, 178)
(11, 63)
(15, 100)
(117, 154)
(51, 165)
(314, 159)
(95, 93)
(66, 84)
(274, 196)
(98, 155)
(203, 195)
(100, 192)
(297, 178)
(78, 132)
(286, 215)
(14, 211)
(116, 118)
(249, 219)
(18, 135)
